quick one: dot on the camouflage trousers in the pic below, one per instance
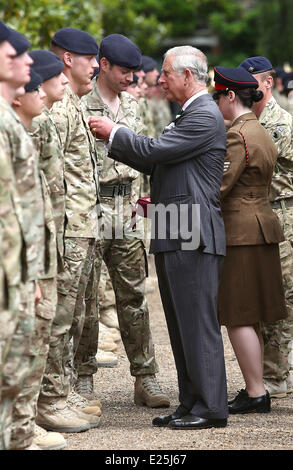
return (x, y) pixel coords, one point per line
(106, 296)
(72, 288)
(20, 326)
(277, 336)
(126, 261)
(25, 407)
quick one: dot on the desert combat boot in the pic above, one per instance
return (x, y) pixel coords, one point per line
(147, 392)
(58, 416)
(48, 440)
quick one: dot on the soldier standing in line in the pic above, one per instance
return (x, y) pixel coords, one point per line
(123, 252)
(27, 107)
(29, 208)
(279, 124)
(77, 49)
(10, 241)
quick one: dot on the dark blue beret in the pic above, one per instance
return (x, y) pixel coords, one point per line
(288, 81)
(148, 63)
(134, 80)
(119, 50)
(46, 64)
(34, 82)
(234, 79)
(280, 72)
(4, 31)
(18, 41)
(256, 64)
(75, 40)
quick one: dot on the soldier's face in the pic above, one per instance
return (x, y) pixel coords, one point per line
(134, 90)
(83, 67)
(224, 105)
(32, 102)
(54, 88)
(118, 78)
(7, 53)
(21, 70)
(151, 77)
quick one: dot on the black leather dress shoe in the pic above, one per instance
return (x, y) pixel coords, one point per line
(165, 420)
(195, 422)
(243, 403)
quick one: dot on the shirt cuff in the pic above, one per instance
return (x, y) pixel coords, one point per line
(112, 134)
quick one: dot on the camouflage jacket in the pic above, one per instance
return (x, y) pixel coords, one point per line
(10, 230)
(279, 124)
(47, 141)
(51, 258)
(161, 114)
(146, 118)
(113, 172)
(80, 167)
(24, 160)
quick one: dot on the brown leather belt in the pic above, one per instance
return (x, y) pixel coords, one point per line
(113, 190)
(251, 191)
(278, 204)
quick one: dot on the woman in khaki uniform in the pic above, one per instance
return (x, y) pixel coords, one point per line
(251, 289)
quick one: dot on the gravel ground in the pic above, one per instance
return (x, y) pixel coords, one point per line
(125, 426)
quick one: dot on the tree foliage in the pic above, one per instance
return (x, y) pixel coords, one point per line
(40, 19)
(243, 27)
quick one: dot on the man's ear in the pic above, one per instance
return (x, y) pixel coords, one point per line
(270, 82)
(16, 102)
(188, 75)
(104, 64)
(67, 59)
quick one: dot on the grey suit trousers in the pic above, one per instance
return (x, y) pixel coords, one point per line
(188, 282)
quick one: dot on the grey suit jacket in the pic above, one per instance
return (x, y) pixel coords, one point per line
(186, 168)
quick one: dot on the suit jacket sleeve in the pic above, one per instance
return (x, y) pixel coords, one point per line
(235, 157)
(192, 136)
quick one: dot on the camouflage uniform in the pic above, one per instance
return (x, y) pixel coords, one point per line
(281, 99)
(80, 241)
(161, 113)
(123, 253)
(277, 336)
(106, 296)
(11, 246)
(149, 131)
(28, 205)
(45, 138)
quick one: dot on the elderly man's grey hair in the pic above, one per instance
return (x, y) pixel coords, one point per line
(188, 57)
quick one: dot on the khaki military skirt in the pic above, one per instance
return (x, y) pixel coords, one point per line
(251, 288)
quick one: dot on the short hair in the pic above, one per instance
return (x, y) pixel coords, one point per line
(58, 50)
(268, 73)
(191, 58)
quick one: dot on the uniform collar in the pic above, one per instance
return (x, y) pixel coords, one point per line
(250, 116)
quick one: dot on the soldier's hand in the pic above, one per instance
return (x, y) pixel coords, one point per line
(38, 294)
(101, 127)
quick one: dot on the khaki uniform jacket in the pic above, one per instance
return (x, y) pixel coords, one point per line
(51, 163)
(248, 216)
(80, 167)
(29, 205)
(128, 115)
(279, 124)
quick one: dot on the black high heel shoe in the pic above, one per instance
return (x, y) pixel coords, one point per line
(243, 403)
